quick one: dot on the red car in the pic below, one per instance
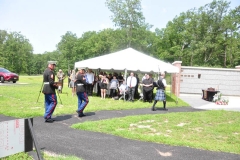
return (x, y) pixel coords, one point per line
(6, 75)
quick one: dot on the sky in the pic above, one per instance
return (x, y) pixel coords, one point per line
(43, 22)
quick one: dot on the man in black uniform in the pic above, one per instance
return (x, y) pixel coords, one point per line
(49, 91)
(147, 89)
(81, 92)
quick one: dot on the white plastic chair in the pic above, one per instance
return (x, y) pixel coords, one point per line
(140, 91)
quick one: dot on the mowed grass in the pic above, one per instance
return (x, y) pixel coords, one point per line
(24, 100)
(210, 130)
(45, 155)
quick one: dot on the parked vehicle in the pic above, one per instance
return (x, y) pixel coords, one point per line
(6, 75)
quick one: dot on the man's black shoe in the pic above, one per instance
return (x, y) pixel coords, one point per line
(49, 120)
(81, 114)
(165, 109)
(153, 109)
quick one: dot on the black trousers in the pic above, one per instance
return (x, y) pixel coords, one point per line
(136, 94)
(98, 89)
(90, 89)
(147, 96)
(113, 93)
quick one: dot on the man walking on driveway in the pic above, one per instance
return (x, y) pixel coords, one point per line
(81, 92)
(49, 91)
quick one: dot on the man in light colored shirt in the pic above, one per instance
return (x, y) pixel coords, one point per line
(123, 88)
(131, 83)
(90, 81)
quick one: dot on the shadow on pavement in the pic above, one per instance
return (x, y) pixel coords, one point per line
(62, 118)
(89, 113)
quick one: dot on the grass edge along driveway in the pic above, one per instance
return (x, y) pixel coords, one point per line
(209, 130)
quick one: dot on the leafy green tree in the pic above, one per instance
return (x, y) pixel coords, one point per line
(15, 52)
(206, 36)
(127, 14)
(67, 47)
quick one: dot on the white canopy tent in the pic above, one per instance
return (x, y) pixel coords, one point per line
(127, 59)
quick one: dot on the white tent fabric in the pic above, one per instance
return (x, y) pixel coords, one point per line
(127, 59)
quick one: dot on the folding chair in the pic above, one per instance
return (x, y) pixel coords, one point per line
(122, 95)
(140, 91)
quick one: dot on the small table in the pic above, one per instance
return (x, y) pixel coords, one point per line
(208, 94)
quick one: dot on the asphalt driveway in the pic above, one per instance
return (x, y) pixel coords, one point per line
(59, 138)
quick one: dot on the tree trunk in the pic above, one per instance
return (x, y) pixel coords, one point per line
(225, 57)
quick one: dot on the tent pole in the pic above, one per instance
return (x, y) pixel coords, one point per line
(171, 85)
(176, 88)
(125, 77)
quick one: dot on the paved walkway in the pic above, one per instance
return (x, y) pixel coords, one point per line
(195, 101)
(59, 138)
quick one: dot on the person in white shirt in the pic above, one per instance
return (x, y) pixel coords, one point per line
(131, 84)
(90, 81)
(123, 88)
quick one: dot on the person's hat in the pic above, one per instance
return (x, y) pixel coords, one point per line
(52, 62)
(81, 68)
(60, 70)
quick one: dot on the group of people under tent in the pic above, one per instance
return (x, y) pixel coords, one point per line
(85, 82)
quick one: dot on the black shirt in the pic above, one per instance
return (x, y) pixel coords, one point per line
(81, 83)
(147, 82)
(48, 81)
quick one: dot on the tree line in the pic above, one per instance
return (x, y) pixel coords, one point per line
(207, 36)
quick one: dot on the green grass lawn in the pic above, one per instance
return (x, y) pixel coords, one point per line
(210, 130)
(21, 100)
(46, 156)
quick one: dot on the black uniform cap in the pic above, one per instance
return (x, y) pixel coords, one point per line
(52, 62)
